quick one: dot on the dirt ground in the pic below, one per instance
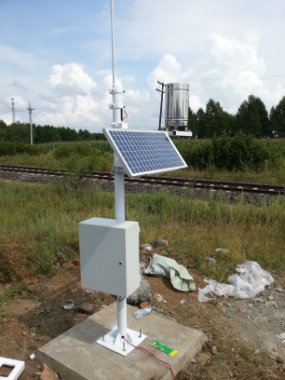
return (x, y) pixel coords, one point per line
(243, 332)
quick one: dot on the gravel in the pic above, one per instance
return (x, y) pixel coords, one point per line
(107, 185)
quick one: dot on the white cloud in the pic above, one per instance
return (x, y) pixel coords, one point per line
(195, 103)
(169, 71)
(71, 74)
(74, 106)
(238, 56)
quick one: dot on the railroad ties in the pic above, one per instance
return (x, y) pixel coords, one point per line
(188, 183)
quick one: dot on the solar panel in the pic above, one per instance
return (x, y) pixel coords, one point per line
(145, 152)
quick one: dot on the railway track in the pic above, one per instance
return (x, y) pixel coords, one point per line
(225, 186)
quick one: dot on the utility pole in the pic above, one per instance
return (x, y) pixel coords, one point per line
(30, 109)
(162, 92)
(13, 110)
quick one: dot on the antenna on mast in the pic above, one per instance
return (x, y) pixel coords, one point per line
(113, 47)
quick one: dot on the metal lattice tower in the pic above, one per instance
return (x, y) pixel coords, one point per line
(13, 111)
(30, 109)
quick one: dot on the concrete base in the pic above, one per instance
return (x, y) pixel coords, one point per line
(113, 341)
(75, 355)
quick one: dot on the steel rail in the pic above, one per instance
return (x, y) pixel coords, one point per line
(194, 183)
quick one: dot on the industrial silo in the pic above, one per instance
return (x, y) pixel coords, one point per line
(176, 104)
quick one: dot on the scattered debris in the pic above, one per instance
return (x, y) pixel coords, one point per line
(192, 360)
(32, 357)
(147, 247)
(250, 281)
(222, 250)
(159, 298)
(68, 305)
(86, 308)
(182, 302)
(277, 358)
(164, 267)
(270, 298)
(159, 242)
(144, 304)
(281, 336)
(48, 374)
(143, 312)
(210, 259)
(214, 350)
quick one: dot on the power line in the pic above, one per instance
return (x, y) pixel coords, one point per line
(162, 92)
(30, 109)
(13, 110)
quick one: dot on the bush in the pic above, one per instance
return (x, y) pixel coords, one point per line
(231, 153)
(66, 150)
(10, 149)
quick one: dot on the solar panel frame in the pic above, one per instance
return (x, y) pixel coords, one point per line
(131, 168)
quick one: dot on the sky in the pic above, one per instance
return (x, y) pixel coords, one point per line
(57, 55)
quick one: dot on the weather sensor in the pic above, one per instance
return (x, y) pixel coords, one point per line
(109, 248)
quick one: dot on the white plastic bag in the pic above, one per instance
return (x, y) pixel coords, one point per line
(250, 281)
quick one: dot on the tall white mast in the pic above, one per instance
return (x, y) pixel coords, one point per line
(117, 105)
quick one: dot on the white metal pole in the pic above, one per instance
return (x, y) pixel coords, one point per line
(113, 48)
(118, 182)
(31, 127)
(30, 109)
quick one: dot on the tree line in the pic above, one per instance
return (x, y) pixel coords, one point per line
(251, 118)
(20, 133)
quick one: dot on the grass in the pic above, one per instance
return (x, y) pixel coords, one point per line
(267, 176)
(39, 231)
(93, 156)
(37, 222)
(87, 156)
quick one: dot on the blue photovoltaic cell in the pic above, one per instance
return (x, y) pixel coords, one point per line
(146, 152)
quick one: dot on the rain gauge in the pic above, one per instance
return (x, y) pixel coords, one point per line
(109, 248)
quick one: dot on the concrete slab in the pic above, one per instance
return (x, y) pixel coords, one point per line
(75, 355)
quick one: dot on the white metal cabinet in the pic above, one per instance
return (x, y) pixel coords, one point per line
(109, 255)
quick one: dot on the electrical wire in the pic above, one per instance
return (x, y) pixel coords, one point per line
(140, 348)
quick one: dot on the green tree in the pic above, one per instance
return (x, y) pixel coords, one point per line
(252, 118)
(216, 119)
(192, 123)
(3, 130)
(201, 123)
(277, 119)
